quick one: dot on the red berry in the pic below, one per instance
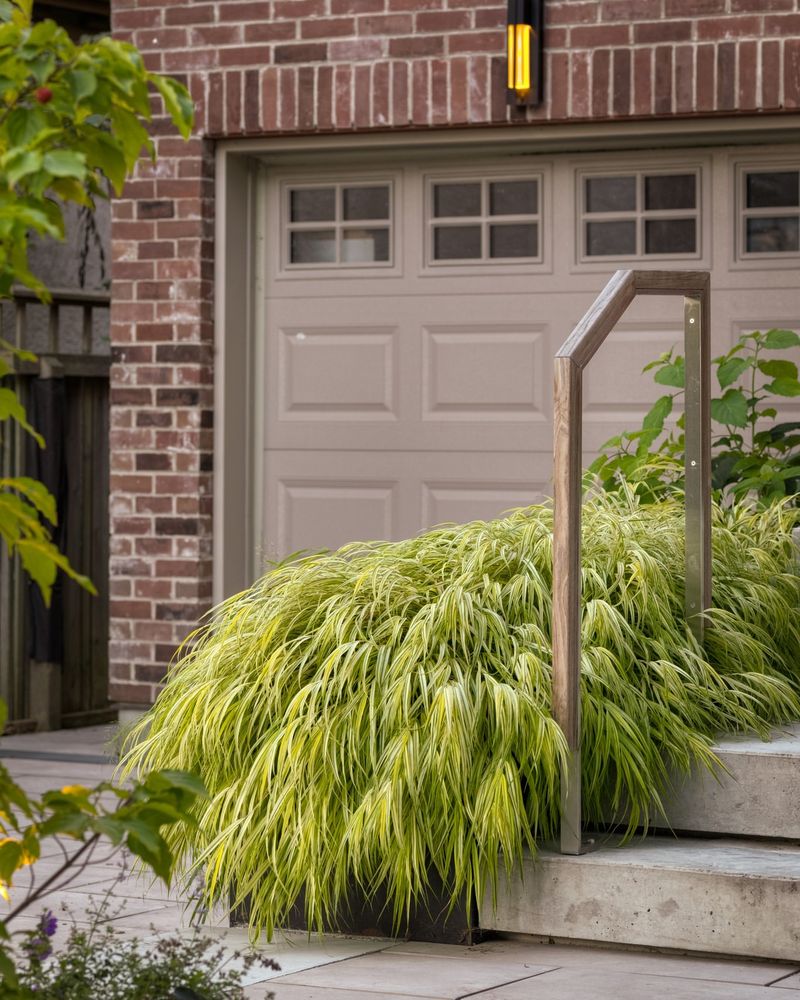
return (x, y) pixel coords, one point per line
(44, 95)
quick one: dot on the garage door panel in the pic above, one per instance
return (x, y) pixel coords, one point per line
(491, 372)
(316, 499)
(337, 373)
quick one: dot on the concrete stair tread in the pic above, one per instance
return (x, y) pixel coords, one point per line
(727, 856)
(784, 742)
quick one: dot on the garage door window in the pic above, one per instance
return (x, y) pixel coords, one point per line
(770, 212)
(487, 220)
(339, 225)
(639, 214)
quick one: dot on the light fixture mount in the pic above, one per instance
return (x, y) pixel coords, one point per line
(525, 53)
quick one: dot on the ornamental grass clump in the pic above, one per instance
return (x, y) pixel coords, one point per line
(376, 715)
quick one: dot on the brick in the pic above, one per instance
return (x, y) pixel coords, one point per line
(415, 46)
(439, 103)
(716, 28)
(497, 90)
(156, 209)
(270, 31)
(477, 41)
(269, 99)
(706, 74)
(663, 80)
(357, 50)
(385, 24)
(747, 57)
(458, 111)
(446, 20)
(726, 77)
(693, 8)
(760, 6)
(492, 17)
(304, 52)
(233, 105)
(791, 73)
(684, 79)
(324, 101)
(621, 93)
(194, 13)
(362, 91)
(299, 8)
(601, 64)
(420, 100)
(287, 115)
(783, 26)
(655, 32)
(631, 10)
(216, 34)
(400, 109)
(357, 6)
(250, 10)
(570, 13)
(176, 526)
(770, 74)
(597, 35)
(178, 612)
(328, 27)
(557, 85)
(380, 94)
(581, 95)
(306, 98)
(643, 82)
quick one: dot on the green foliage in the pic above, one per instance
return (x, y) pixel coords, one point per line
(97, 961)
(72, 120)
(751, 455)
(136, 818)
(375, 715)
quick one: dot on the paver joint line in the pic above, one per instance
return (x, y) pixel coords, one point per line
(509, 982)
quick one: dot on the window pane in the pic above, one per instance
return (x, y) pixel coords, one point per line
(313, 205)
(514, 241)
(777, 189)
(611, 194)
(456, 200)
(767, 235)
(366, 203)
(513, 198)
(610, 239)
(664, 191)
(670, 236)
(313, 246)
(365, 245)
(457, 243)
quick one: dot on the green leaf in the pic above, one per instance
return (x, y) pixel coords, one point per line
(82, 82)
(784, 387)
(39, 563)
(21, 163)
(65, 163)
(778, 339)
(730, 370)
(186, 781)
(731, 409)
(11, 855)
(658, 413)
(673, 374)
(38, 494)
(177, 101)
(778, 368)
(11, 408)
(24, 124)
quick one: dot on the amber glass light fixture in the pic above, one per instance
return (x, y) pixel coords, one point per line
(525, 52)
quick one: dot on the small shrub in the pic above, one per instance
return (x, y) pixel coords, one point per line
(98, 962)
(751, 454)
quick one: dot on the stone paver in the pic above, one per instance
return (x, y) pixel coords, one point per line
(350, 968)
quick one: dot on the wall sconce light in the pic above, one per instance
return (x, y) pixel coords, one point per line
(525, 52)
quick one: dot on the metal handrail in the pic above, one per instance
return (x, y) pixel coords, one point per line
(570, 362)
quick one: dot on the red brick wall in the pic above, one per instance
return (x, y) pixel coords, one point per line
(266, 67)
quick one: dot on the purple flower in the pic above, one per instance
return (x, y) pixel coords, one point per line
(48, 924)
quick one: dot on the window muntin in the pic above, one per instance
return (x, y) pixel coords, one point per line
(769, 212)
(628, 214)
(339, 225)
(490, 220)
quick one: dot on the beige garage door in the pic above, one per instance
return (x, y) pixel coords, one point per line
(412, 311)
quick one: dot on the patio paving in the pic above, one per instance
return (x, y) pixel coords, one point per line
(338, 967)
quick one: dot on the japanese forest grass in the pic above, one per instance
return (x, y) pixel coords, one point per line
(382, 713)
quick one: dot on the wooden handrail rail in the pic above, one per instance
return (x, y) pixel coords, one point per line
(570, 362)
(63, 296)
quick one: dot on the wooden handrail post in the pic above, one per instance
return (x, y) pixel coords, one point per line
(574, 355)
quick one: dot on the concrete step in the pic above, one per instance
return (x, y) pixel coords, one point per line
(719, 896)
(759, 796)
